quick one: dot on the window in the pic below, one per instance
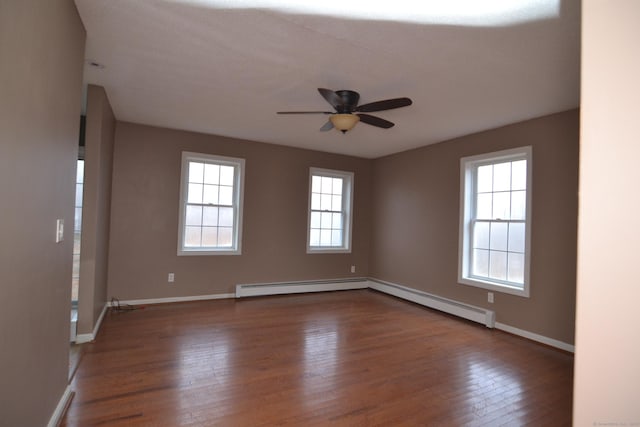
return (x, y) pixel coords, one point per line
(77, 231)
(211, 190)
(330, 199)
(495, 221)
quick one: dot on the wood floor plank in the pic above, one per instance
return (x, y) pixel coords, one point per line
(340, 358)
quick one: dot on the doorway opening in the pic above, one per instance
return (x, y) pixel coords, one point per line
(74, 351)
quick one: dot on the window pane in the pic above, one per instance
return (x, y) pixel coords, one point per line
(211, 174)
(226, 175)
(315, 201)
(79, 195)
(480, 263)
(225, 217)
(336, 223)
(481, 235)
(516, 268)
(75, 271)
(501, 205)
(325, 202)
(225, 236)
(210, 194)
(502, 177)
(498, 265)
(336, 237)
(196, 172)
(76, 242)
(315, 220)
(516, 237)
(498, 240)
(485, 179)
(77, 219)
(518, 204)
(314, 237)
(336, 204)
(337, 186)
(226, 195)
(519, 175)
(327, 185)
(193, 215)
(192, 236)
(483, 206)
(325, 237)
(210, 236)
(325, 220)
(210, 216)
(80, 172)
(194, 193)
(316, 183)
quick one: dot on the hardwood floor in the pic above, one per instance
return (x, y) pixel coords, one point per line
(352, 358)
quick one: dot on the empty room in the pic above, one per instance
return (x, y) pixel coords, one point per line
(344, 213)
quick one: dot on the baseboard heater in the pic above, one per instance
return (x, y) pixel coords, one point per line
(279, 288)
(466, 311)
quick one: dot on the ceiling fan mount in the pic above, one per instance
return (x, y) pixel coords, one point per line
(347, 111)
(349, 99)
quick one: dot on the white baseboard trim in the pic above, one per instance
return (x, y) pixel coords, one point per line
(176, 299)
(96, 328)
(281, 288)
(56, 417)
(450, 306)
(83, 338)
(466, 311)
(535, 337)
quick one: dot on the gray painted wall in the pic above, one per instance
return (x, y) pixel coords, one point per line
(42, 50)
(416, 207)
(96, 209)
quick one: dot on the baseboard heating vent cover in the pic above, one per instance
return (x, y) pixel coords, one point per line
(279, 288)
(466, 311)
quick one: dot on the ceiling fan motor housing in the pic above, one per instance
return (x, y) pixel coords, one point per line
(349, 99)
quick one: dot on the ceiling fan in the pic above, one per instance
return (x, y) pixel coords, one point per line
(348, 112)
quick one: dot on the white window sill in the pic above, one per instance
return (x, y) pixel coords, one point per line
(328, 251)
(495, 287)
(196, 252)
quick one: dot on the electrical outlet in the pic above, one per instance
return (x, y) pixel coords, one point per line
(490, 297)
(353, 268)
(171, 278)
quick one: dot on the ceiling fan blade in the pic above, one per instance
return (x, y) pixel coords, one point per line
(375, 121)
(387, 104)
(304, 112)
(331, 97)
(327, 126)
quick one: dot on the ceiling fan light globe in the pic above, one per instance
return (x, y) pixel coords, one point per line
(344, 122)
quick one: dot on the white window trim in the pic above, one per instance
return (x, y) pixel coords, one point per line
(467, 191)
(238, 195)
(347, 202)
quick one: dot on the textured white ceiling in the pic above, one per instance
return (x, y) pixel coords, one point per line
(223, 67)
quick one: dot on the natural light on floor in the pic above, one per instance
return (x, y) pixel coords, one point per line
(454, 12)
